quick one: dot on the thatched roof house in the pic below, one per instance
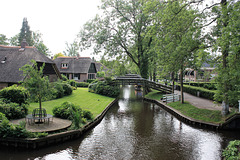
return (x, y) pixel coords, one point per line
(13, 58)
(78, 68)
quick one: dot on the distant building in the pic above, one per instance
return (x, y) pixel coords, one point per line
(13, 58)
(78, 68)
(205, 73)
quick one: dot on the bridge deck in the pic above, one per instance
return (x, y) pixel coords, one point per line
(133, 80)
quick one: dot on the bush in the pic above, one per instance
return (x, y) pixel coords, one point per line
(13, 110)
(104, 89)
(2, 116)
(232, 150)
(17, 131)
(82, 84)
(66, 110)
(15, 94)
(91, 80)
(87, 114)
(64, 78)
(206, 85)
(58, 90)
(204, 93)
(67, 89)
(73, 83)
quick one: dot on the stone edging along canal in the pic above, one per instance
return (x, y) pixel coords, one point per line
(34, 143)
(232, 123)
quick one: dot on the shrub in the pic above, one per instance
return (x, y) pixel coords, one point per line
(82, 84)
(15, 94)
(17, 131)
(72, 83)
(2, 116)
(13, 110)
(66, 110)
(67, 89)
(232, 150)
(58, 90)
(64, 78)
(87, 114)
(104, 89)
(204, 93)
(91, 80)
(206, 85)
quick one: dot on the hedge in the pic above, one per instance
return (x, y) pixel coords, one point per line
(82, 84)
(206, 85)
(204, 93)
(15, 94)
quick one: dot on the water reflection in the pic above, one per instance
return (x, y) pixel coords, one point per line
(134, 129)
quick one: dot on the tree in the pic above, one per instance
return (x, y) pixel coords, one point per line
(38, 43)
(35, 82)
(178, 38)
(25, 33)
(3, 40)
(14, 40)
(58, 55)
(71, 49)
(121, 30)
(227, 43)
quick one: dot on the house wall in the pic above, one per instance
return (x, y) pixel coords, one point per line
(3, 85)
(83, 77)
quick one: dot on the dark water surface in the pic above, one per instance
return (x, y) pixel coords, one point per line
(133, 129)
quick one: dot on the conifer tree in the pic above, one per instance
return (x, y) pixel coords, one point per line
(25, 33)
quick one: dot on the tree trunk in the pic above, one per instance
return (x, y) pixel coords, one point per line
(225, 103)
(173, 82)
(181, 84)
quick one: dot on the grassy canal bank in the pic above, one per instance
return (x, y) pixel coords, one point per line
(205, 115)
(95, 103)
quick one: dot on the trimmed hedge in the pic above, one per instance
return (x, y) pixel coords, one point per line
(15, 94)
(204, 93)
(206, 85)
(82, 84)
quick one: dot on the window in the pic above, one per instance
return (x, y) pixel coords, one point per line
(64, 65)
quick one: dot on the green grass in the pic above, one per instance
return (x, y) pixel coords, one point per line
(205, 115)
(81, 97)
(157, 95)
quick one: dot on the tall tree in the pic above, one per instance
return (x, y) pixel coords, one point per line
(38, 43)
(178, 37)
(227, 32)
(121, 30)
(3, 40)
(25, 33)
(72, 49)
(37, 85)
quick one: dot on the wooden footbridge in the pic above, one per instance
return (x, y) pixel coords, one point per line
(133, 79)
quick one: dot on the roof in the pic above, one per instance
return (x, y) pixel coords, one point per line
(100, 67)
(75, 64)
(15, 58)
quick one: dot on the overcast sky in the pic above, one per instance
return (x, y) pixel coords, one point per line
(59, 21)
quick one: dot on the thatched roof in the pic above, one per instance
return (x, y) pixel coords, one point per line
(75, 64)
(13, 58)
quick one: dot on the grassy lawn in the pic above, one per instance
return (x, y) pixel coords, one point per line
(191, 111)
(157, 95)
(86, 100)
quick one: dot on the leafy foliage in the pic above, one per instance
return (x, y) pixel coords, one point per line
(17, 131)
(13, 110)
(232, 151)
(82, 84)
(103, 88)
(15, 94)
(37, 85)
(3, 40)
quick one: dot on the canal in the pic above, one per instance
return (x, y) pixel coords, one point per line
(134, 129)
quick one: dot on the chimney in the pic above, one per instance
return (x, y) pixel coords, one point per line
(24, 43)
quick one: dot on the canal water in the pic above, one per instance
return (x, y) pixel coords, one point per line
(134, 129)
